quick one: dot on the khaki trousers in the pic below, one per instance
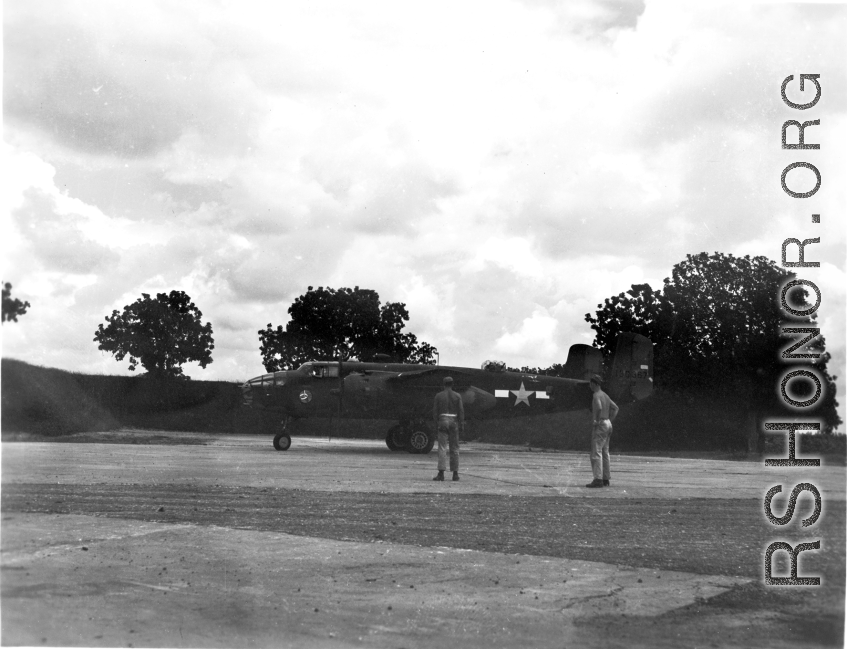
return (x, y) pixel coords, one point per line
(448, 432)
(600, 435)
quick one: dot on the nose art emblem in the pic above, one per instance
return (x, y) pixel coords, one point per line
(305, 396)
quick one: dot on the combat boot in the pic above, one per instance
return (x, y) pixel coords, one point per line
(595, 483)
(439, 477)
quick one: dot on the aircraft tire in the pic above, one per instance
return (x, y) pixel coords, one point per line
(421, 441)
(396, 439)
(282, 442)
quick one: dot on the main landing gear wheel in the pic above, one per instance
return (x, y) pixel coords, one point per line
(282, 442)
(421, 440)
(397, 438)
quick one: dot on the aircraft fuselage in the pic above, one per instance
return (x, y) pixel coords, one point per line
(393, 390)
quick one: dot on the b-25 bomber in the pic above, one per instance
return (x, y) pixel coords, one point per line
(405, 392)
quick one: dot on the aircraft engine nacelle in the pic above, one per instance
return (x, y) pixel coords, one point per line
(369, 392)
(362, 393)
(476, 400)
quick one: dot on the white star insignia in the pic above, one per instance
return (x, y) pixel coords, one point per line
(522, 395)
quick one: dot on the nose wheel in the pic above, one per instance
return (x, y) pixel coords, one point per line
(282, 440)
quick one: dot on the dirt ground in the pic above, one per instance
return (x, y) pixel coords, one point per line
(164, 539)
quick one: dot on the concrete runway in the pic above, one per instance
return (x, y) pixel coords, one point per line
(85, 580)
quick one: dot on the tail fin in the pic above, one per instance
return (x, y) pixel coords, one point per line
(631, 376)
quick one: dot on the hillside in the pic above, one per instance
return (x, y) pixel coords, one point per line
(49, 401)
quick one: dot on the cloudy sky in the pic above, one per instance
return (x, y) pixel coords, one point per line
(500, 167)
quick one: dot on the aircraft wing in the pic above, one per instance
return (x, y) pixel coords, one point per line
(388, 375)
(435, 371)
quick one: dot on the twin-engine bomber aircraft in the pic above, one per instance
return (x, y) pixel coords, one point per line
(405, 392)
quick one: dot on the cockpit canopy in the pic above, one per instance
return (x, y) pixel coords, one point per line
(320, 370)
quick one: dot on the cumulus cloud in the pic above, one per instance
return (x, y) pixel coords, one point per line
(56, 239)
(534, 341)
(120, 80)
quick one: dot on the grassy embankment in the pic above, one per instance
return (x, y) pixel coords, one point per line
(48, 402)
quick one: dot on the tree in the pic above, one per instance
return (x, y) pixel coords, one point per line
(341, 324)
(716, 327)
(12, 308)
(160, 334)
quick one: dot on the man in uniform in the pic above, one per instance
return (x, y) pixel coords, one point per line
(603, 411)
(449, 415)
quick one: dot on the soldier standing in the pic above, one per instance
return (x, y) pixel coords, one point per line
(603, 411)
(449, 415)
